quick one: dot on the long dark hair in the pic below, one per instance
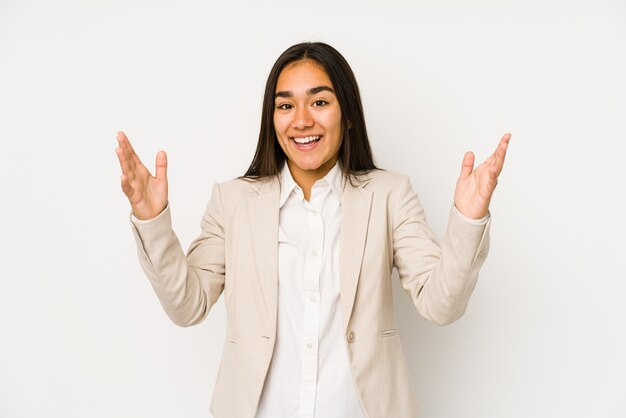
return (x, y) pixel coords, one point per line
(355, 153)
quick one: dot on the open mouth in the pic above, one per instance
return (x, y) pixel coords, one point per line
(306, 140)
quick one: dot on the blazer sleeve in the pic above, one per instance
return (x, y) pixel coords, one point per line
(187, 285)
(438, 278)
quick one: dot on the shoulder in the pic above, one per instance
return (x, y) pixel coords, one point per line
(390, 189)
(380, 180)
(240, 184)
(228, 198)
(241, 188)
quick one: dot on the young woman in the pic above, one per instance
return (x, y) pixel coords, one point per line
(303, 247)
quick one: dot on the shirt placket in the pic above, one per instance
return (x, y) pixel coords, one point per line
(312, 268)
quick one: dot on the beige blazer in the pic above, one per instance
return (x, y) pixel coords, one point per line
(382, 227)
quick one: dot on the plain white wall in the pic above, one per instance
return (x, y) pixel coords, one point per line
(82, 333)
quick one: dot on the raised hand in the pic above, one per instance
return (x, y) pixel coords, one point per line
(147, 194)
(475, 187)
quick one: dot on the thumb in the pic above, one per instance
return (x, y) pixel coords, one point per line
(161, 165)
(468, 164)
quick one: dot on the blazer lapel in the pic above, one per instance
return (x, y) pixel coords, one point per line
(356, 203)
(264, 218)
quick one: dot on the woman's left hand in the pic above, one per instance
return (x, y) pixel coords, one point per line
(475, 187)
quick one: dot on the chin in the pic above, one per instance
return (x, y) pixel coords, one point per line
(307, 164)
(309, 167)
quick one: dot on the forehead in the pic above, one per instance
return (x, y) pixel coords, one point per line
(299, 76)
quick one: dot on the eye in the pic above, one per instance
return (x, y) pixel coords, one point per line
(320, 103)
(284, 106)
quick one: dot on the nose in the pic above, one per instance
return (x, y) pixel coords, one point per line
(302, 118)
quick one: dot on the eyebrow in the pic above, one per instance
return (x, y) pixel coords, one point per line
(309, 92)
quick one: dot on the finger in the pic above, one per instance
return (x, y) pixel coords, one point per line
(503, 145)
(161, 165)
(127, 151)
(128, 148)
(500, 153)
(500, 150)
(126, 163)
(468, 164)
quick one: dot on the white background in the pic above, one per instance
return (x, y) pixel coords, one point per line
(82, 333)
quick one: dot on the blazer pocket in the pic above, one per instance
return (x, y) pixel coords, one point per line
(389, 332)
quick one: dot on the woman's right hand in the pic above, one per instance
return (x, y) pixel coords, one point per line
(147, 194)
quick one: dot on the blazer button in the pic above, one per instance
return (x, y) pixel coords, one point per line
(351, 337)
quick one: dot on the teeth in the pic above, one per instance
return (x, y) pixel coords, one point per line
(306, 140)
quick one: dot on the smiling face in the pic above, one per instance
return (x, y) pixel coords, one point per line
(307, 120)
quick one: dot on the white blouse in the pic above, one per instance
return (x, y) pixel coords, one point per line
(310, 372)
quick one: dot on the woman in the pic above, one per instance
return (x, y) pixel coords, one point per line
(303, 246)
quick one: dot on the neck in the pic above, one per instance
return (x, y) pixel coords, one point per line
(305, 179)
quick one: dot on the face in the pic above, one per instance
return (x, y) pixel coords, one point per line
(307, 120)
